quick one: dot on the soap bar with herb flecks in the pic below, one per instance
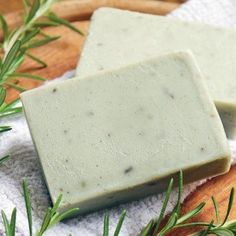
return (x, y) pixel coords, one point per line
(119, 37)
(120, 135)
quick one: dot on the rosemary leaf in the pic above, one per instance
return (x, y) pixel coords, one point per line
(28, 205)
(120, 222)
(5, 128)
(106, 225)
(3, 94)
(3, 159)
(146, 230)
(10, 111)
(192, 213)
(64, 22)
(38, 43)
(5, 29)
(222, 232)
(45, 24)
(39, 61)
(56, 205)
(29, 76)
(17, 87)
(10, 58)
(15, 64)
(180, 190)
(163, 209)
(170, 224)
(46, 222)
(5, 223)
(13, 223)
(30, 35)
(54, 219)
(33, 11)
(216, 207)
(62, 216)
(230, 204)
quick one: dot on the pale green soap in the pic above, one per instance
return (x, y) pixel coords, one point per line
(120, 135)
(119, 37)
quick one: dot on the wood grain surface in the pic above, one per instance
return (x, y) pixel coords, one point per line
(61, 56)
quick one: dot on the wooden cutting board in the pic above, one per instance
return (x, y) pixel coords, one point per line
(61, 56)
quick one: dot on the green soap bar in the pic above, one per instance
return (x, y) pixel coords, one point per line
(119, 37)
(119, 135)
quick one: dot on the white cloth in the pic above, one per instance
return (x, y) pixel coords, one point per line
(25, 164)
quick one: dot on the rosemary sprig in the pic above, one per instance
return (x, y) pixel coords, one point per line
(51, 218)
(31, 25)
(118, 227)
(18, 41)
(226, 228)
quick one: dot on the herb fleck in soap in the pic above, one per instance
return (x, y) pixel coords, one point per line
(141, 36)
(119, 135)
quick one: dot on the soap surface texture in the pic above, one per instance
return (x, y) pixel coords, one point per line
(119, 37)
(120, 135)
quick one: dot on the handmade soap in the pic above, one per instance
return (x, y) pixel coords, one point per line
(119, 37)
(120, 135)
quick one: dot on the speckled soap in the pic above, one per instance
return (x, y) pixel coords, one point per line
(119, 37)
(119, 135)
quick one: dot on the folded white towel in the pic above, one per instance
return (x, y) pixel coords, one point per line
(25, 164)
